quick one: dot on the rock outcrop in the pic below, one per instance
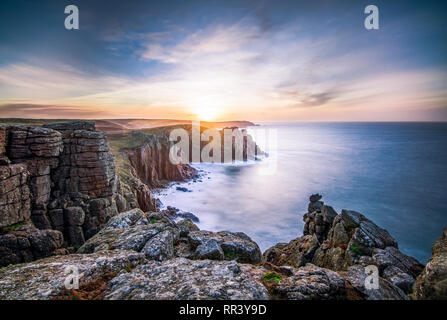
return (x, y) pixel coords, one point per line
(224, 245)
(186, 279)
(160, 238)
(431, 284)
(347, 243)
(58, 177)
(27, 243)
(44, 279)
(150, 162)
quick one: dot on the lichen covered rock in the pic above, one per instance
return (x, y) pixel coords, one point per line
(181, 278)
(235, 245)
(44, 279)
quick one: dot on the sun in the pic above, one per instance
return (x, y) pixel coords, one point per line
(207, 109)
(206, 114)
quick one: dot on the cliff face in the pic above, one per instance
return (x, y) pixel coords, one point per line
(432, 282)
(152, 166)
(60, 177)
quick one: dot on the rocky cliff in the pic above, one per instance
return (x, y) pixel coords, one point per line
(59, 193)
(347, 243)
(144, 161)
(57, 188)
(150, 163)
(140, 255)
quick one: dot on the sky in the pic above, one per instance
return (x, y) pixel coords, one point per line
(224, 60)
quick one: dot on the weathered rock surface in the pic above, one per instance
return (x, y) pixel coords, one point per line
(60, 176)
(311, 283)
(319, 218)
(347, 243)
(356, 276)
(188, 279)
(210, 249)
(186, 226)
(27, 243)
(44, 279)
(15, 203)
(153, 234)
(235, 245)
(151, 163)
(296, 253)
(352, 236)
(432, 282)
(175, 213)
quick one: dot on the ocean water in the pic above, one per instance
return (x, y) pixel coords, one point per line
(393, 173)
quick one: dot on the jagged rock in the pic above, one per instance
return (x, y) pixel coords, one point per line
(133, 238)
(367, 233)
(319, 218)
(315, 197)
(356, 275)
(235, 245)
(134, 217)
(161, 217)
(161, 246)
(186, 226)
(352, 236)
(181, 278)
(352, 240)
(26, 243)
(210, 249)
(315, 204)
(432, 282)
(44, 279)
(296, 253)
(397, 267)
(175, 213)
(311, 283)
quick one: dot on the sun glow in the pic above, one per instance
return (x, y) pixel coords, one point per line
(207, 110)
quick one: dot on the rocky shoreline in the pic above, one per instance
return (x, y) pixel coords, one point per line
(62, 204)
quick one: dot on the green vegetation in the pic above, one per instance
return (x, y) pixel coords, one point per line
(231, 254)
(271, 277)
(357, 250)
(12, 227)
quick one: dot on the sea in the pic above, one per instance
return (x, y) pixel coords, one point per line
(393, 173)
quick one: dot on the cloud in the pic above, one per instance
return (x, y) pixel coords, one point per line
(23, 110)
(249, 69)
